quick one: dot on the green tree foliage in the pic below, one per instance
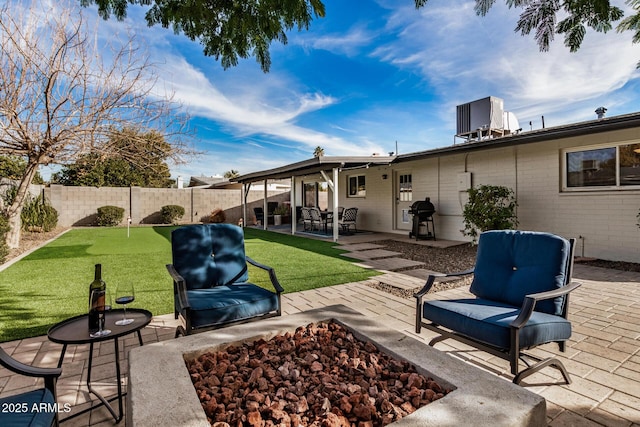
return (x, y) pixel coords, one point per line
(569, 18)
(489, 208)
(138, 160)
(318, 151)
(227, 30)
(230, 174)
(13, 167)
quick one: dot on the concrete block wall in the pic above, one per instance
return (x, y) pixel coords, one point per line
(77, 206)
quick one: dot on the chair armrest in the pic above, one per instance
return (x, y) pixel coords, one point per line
(27, 370)
(179, 286)
(432, 277)
(529, 303)
(272, 274)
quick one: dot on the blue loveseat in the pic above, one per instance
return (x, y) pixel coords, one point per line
(521, 283)
(211, 284)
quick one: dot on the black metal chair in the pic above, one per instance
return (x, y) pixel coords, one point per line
(259, 213)
(211, 285)
(349, 217)
(521, 282)
(17, 410)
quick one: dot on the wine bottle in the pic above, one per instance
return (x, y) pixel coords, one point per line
(94, 299)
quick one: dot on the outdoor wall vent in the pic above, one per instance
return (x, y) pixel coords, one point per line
(600, 111)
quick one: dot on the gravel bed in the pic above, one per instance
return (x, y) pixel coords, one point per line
(442, 260)
(460, 258)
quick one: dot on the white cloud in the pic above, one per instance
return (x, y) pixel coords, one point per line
(348, 44)
(466, 57)
(268, 110)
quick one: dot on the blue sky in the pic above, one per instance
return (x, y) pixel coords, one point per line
(375, 72)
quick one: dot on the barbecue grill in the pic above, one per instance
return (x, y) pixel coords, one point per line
(423, 225)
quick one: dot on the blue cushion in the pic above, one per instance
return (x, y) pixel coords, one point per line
(208, 255)
(512, 264)
(43, 417)
(228, 303)
(488, 322)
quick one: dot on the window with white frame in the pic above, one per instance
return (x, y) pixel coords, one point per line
(356, 186)
(602, 167)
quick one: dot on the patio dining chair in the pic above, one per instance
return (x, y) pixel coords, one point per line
(211, 287)
(11, 414)
(316, 217)
(349, 217)
(306, 219)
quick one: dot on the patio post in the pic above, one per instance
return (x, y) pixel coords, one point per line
(265, 206)
(335, 205)
(292, 197)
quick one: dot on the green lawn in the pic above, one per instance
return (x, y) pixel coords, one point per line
(52, 283)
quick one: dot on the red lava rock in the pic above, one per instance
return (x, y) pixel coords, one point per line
(320, 376)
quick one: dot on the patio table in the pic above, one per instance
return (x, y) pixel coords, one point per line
(76, 331)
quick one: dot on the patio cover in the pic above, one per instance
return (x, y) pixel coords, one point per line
(327, 166)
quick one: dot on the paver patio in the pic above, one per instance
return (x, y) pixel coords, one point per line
(603, 356)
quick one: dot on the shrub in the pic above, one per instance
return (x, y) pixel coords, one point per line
(489, 208)
(215, 217)
(281, 210)
(38, 216)
(4, 229)
(171, 214)
(110, 215)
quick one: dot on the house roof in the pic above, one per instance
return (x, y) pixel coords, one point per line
(557, 132)
(324, 163)
(315, 165)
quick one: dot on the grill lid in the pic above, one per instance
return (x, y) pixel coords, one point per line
(423, 208)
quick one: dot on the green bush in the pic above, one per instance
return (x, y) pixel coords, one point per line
(489, 208)
(4, 229)
(171, 214)
(109, 216)
(38, 216)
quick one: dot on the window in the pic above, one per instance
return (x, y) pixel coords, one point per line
(405, 190)
(606, 167)
(356, 186)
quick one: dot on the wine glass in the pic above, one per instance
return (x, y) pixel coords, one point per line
(125, 294)
(101, 303)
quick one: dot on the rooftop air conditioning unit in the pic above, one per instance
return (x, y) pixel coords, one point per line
(480, 117)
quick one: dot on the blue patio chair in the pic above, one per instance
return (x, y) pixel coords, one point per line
(12, 413)
(521, 282)
(211, 285)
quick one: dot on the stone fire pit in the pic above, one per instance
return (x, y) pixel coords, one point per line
(162, 393)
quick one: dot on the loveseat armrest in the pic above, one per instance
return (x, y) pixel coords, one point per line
(179, 287)
(31, 371)
(426, 288)
(272, 274)
(432, 277)
(529, 303)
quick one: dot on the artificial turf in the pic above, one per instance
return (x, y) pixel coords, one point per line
(51, 284)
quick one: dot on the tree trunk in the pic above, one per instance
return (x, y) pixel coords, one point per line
(14, 211)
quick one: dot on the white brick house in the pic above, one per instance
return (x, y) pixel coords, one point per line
(580, 180)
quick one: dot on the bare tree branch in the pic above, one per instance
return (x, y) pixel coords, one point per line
(64, 92)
